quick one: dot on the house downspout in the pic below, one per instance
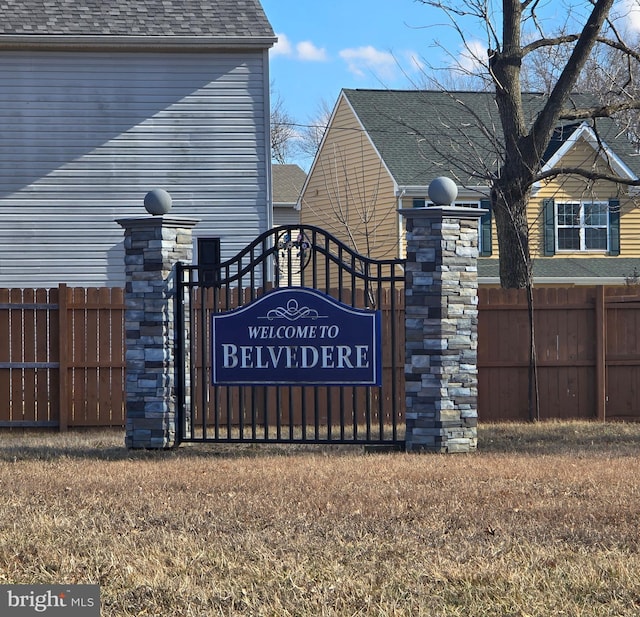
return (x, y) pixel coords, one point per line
(267, 126)
(401, 246)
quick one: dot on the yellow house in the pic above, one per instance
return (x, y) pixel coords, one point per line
(382, 149)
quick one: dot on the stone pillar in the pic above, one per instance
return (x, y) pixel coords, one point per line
(441, 326)
(152, 245)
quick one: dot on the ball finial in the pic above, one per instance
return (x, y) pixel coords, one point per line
(157, 202)
(443, 191)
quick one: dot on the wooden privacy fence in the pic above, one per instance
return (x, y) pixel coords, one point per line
(62, 357)
(588, 348)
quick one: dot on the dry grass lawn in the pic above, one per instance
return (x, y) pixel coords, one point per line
(543, 521)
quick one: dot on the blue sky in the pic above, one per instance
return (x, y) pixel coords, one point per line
(326, 45)
(332, 44)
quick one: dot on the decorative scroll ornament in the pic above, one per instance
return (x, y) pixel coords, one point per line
(292, 312)
(293, 255)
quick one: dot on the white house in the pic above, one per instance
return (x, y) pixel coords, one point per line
(102, 101)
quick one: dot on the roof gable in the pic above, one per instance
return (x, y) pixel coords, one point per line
(226, 19)
(422, 134)
(600, 147)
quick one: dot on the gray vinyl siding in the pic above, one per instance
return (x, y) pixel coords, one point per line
(84, 136)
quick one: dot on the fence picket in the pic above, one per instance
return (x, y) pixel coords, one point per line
(5, 357)
(41, 351)
(16, 401)
(29, 404)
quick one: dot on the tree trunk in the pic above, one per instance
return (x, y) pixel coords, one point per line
(510, 210)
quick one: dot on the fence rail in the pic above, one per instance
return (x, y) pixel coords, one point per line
(62, 356)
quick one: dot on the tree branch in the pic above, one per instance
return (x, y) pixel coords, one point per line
(566, 81)
(603, 111)
(549, 42)
(587, 174)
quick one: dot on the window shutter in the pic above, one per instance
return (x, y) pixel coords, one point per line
(614, 227)
(485, 229)
(549, 227)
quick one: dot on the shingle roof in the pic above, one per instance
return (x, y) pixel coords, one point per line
(188, 18)
(570, 269)
(423, 134)
(287, 183)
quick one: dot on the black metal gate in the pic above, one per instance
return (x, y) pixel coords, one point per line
(283, 257)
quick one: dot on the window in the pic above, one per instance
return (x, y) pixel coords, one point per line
(582, 226)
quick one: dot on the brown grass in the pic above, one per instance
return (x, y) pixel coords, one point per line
(544, 520)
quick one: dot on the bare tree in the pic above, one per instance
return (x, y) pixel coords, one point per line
(609, 74)
(311, 135)
(613, 77)
(290, 139)
(283, 130)
(516, 35)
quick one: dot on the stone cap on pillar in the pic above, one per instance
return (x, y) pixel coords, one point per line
(158, 203)
(157, 221)
(440, 212)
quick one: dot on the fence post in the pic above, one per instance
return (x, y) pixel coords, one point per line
(601, 349)
(63, 357)
(153, 245)
(441, 325)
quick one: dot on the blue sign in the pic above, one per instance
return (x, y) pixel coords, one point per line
(297, 336)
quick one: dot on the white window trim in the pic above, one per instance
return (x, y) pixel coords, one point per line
(582, 226)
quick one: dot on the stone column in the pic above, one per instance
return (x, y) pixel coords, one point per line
(441, 324)
(152, 245)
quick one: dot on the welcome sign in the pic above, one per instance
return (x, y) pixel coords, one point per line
(297, 336)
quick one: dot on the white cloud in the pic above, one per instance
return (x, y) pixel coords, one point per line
(305, 51)
(472, 58)
(369, 59)
(308, 51)
(282, 47)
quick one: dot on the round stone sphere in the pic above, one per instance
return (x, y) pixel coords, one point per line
(157, 202)
(443, 191)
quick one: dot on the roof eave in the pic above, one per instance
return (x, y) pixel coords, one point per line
(561, 280)
(103, 42)
(420, 190)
